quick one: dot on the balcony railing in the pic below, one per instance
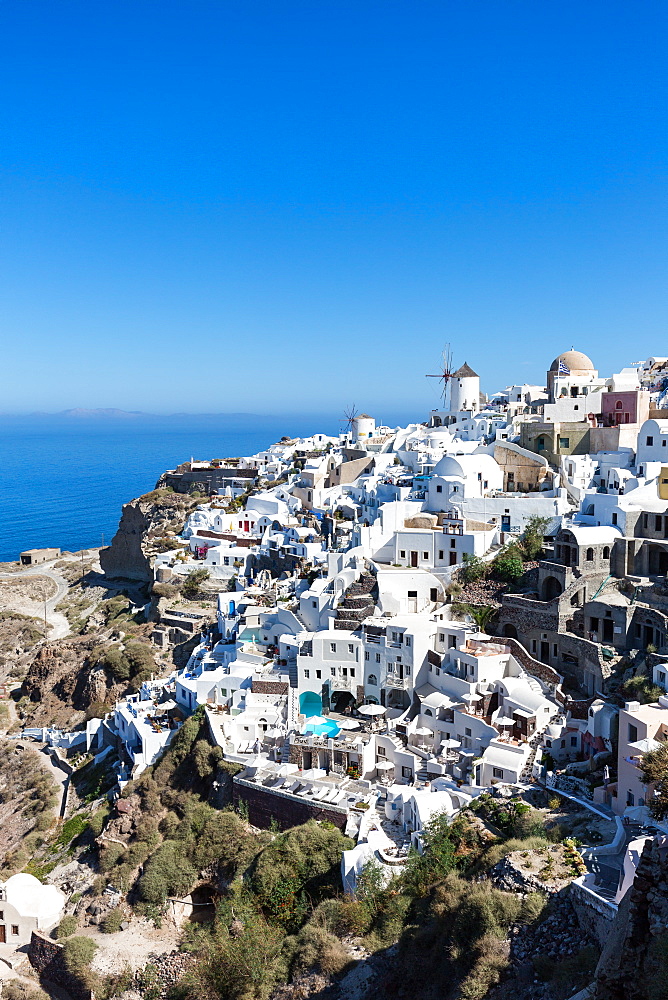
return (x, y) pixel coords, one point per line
(393, 681)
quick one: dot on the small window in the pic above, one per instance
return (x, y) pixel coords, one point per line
(407, 772)
(606, 552)
(425, 555)
(306, 674)
(366, 655)
(351, 648)
(377, 657)
(650, 441)
(314, 604)
(352, 671)
(590, 555)
(15, 930)
(633, 733)
(497, 772)
(453, 543)
(614, 519)
(402, 554)
(440, 553)
(373, 682)
(407, 641)
(380, 751)
(564, 442)
(332, 647)
(439, 489)
(433, 594)
(318, 674)
(574, 741)
(332, 671)
(468, 732)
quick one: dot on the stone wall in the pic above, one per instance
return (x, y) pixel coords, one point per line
(267, 805)
(269, 687)
(46, 957)
(526, 614)
(633, 957)
(536, 668)
(596, 916)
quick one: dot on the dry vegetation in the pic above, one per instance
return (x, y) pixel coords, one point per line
(28, 797)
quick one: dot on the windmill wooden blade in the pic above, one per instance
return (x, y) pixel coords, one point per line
(446, 371)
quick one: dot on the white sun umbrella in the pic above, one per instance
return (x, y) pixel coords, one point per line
(450, 744)
(423, 731)
(371, 710)
(472, 697)
(347, 723)
(504, 721)
(384, 765)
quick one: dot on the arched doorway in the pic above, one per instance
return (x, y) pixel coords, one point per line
(551, 588)
(510, 631)
(310, 704)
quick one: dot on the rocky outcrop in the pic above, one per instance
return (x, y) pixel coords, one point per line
(634, 958)
(63, 679)
(145, 525)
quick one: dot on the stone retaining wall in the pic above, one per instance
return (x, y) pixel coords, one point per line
(46, 957)
(267, 804)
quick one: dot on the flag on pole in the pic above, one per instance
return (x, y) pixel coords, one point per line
(563, 369)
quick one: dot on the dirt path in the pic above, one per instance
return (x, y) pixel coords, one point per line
(32, 605)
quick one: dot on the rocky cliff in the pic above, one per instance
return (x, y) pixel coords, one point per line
(65, 679)
(634, 963)
(146, 527)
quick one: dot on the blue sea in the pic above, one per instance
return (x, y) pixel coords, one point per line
(63, 481)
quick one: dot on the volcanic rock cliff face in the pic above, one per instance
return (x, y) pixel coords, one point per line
(634, 963)
(144, 525)
(63, 681)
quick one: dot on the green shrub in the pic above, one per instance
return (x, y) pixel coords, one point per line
(641, 689)
(193, 582)
(109, 855)
(299, 867)
(166, 873)
(78, 953)
(315, 948)
(112, 920)
(474, 568)
(67, 926)
(508, 565)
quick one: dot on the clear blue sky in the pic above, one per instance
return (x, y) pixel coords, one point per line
(268, 206)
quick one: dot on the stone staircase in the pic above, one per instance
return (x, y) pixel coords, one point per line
(526, 776)
(358, 602)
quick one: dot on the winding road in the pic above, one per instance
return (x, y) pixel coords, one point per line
(60, 626)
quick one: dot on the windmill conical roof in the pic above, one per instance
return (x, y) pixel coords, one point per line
(465, 372)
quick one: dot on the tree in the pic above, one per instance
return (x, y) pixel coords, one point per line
(532, 536)
(437, 859)
(654, 768)
(193, 582)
